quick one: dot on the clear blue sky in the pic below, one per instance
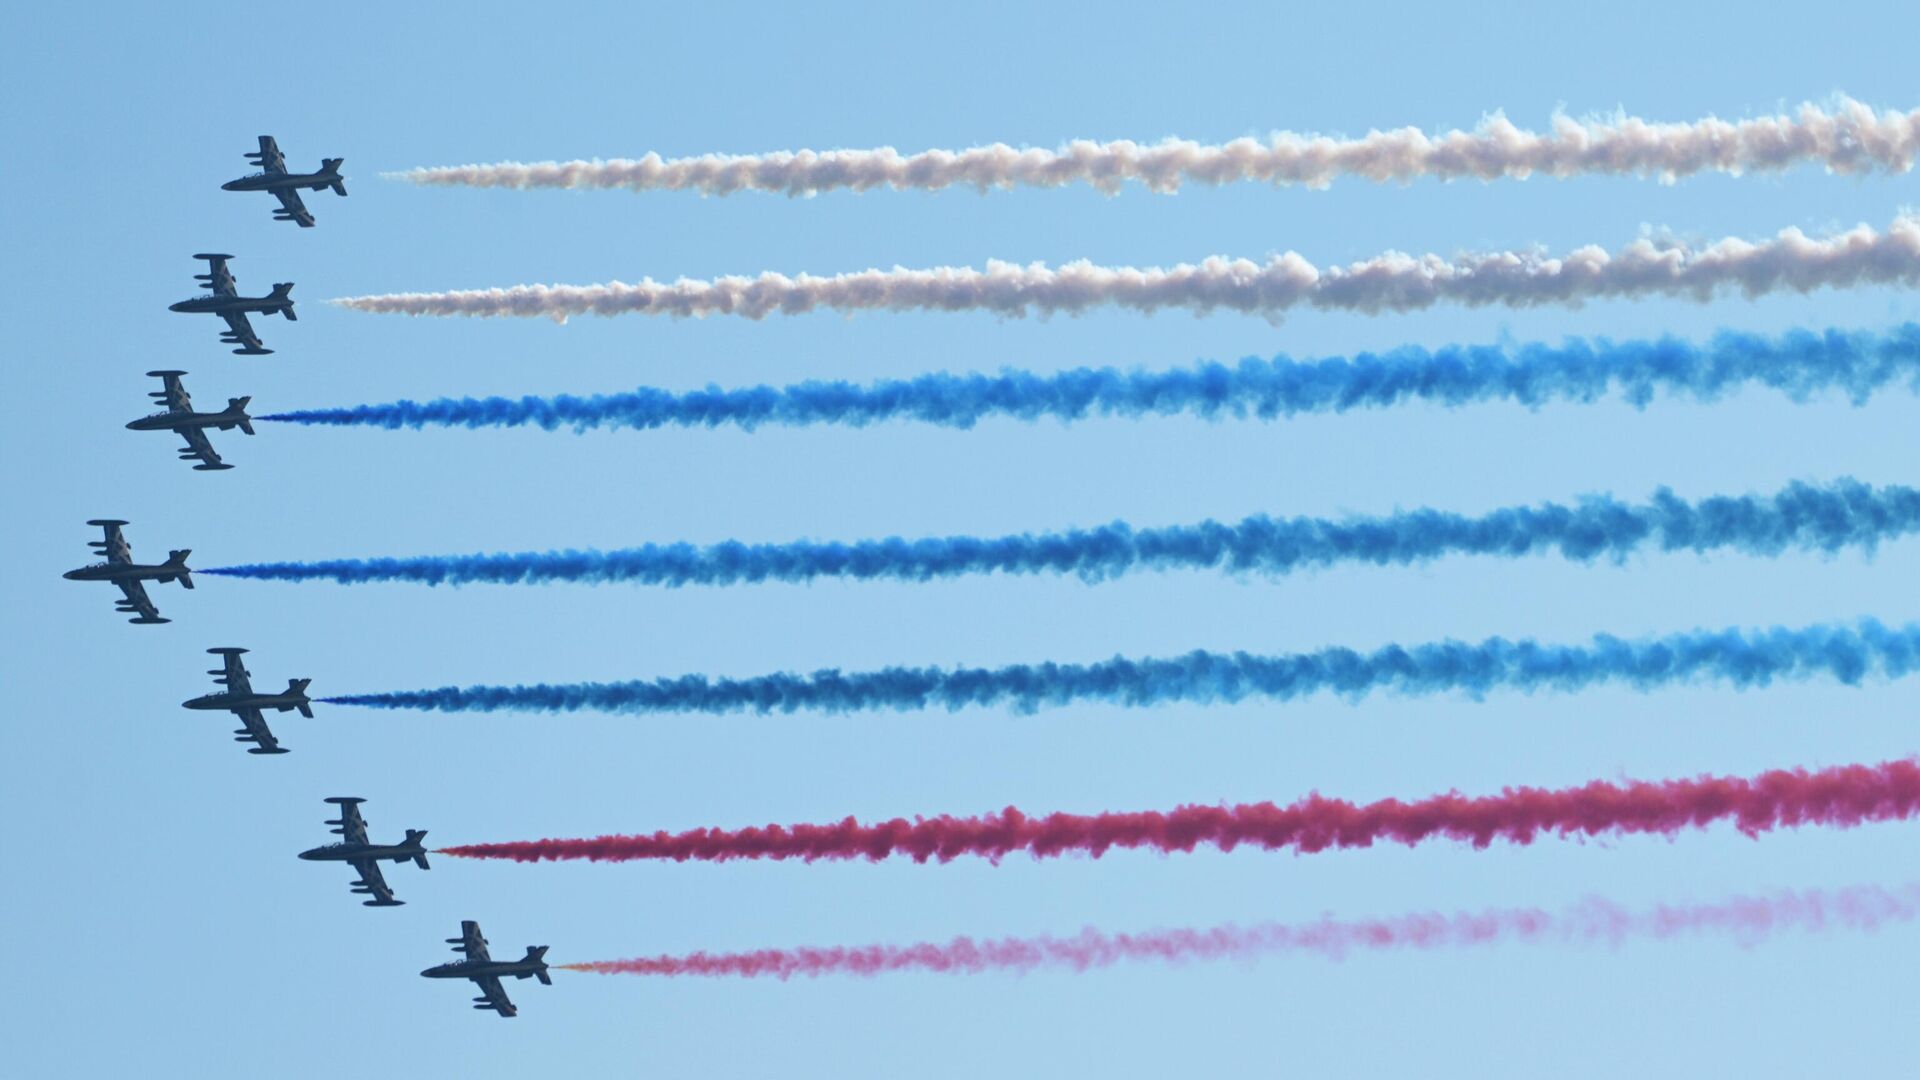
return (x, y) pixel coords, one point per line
(157, 919)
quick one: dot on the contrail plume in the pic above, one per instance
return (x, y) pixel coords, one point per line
(1802, 516)
(1391, 282)
(1747, 919)
(1842, 797)
(1846, 136)
(1741, 659)
(1799, 363)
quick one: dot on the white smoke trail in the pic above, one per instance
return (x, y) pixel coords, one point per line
(1847, 137)
(1389, 282)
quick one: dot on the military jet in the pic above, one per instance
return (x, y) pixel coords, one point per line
(286, 186)
(487, 972)
(240, 699)
(231, 306)
(364, 855)
(192, 426)
(124, 572)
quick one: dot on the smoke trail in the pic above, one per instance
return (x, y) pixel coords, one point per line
(1748, 919)
(1848, 138)
(1842, 797)
(1798, 363)
(1389, 282)
(1801, 517)
(1743, 659)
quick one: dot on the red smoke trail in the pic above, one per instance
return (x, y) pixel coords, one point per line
(1842, 797)
(1748, 919)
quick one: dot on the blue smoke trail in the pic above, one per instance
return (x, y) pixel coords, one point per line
(1799, 364)
(1744, 660)
(1846, 513)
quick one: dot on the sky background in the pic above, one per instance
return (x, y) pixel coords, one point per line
(157, 918)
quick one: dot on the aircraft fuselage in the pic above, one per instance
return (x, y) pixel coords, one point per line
(216, 305)
(480, 969)
(314, 181)
(172, 421)
(121, 572)
(376, 852)
(235, 702)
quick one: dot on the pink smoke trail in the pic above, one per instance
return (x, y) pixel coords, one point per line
(1840, 797)
(1748, 919)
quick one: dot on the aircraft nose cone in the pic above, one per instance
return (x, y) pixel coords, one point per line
(181, 306)
(308, 854)
(71, 575)
(231, 185)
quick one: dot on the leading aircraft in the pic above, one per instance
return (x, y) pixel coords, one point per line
(365, 855)
(286, 186)
(192, 426)
(120, 569)
(223, 301)
(240, 699)
(487, 972)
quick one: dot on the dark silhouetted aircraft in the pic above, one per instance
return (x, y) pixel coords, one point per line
(231, 306)
(240, 699)
(192, 426)
(487, 972)
(364, 855)
(124, 572)
(286, 186)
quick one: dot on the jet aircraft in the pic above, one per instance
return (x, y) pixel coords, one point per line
(487, 972)
(365, 855)
(286, 186)
(223, 301)
(120, 569)
(192, 426)
(240, 699)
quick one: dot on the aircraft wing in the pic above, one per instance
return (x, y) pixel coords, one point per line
(493, 996)
(353, 830)
(241, 330)
(297, 210)
(219, 279)
(200, 447)
(370, 880)
(137, 601)
(255, 730)
(471, 943)
(234, 677)
(173, 393)
(271, 159)
(114, 546)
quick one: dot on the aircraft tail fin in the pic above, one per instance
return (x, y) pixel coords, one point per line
(177, 568)
(238, 406)
(298, 688)
(536, 954)
(331, 166)
(417, 837)
(283, 292)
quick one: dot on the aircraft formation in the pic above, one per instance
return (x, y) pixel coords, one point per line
(237, 694)
(1845, 513)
